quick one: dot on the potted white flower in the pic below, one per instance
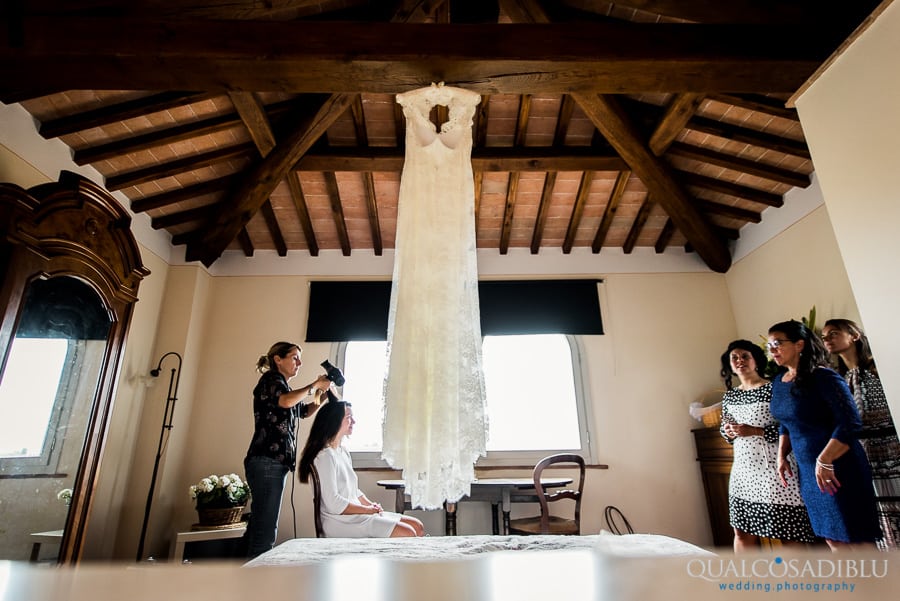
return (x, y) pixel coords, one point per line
(65, 495)
(220, 500)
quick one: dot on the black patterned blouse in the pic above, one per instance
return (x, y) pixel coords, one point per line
(275, 428)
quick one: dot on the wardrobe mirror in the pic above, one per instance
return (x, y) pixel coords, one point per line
(70, 272)
(47, 392)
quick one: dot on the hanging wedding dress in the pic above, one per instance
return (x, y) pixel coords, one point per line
(434, 423)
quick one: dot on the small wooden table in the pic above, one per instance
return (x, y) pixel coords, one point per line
(176, 553)
(499, 492)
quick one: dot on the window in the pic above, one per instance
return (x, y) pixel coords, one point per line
(28, 394)
(535, 398)
(43, 398)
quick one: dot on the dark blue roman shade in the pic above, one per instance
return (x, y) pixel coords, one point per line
(342, 311)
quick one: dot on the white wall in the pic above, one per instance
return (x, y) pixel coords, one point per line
(851, 119)
(124, 471)
(176, 329)
(783, 279)
(664, 335)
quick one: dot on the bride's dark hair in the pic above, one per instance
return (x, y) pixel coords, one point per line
(325, 427)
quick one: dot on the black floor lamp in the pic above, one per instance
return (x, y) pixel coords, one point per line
(166, 427)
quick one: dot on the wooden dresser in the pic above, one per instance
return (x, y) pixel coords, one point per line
(715, 456)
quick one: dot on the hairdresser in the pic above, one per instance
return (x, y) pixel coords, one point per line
(273, 449)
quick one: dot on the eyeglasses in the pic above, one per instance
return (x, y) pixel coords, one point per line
(777, 343)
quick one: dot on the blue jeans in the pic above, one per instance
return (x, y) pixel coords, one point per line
(266, 478)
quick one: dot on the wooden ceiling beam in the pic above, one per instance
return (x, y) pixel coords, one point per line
(337, 211)
(678, 117)
(731, 189)
(299, 200)
(744, 135)
(182, 217)
(478, 177)
(352, 57)
(758, 103)
(497, 159)
(571, 158)
(508, 209)
(566, 108)
(203, 9)
(253, 114)
(584, 190)
(729, 233)
(523, 11)
(637, 225)
(738, 164)
(415, 11)
(399, 125)
(679, 112)
(362, 140)
(158, 201)
(522, 121)
(134, 177)
(665, 236)
(13, 97)
(169, 135)
(703, 11)
(726, 233)
(262, 179)
(372, 207)
(121, 111)
(609, 212)
(715, 208)
(609, 118)
(543, 208)
(480, 122)
(245, 242)
(154, 139)
(359, 121)
(268, 213)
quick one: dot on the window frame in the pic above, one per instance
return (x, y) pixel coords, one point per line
(584, 411)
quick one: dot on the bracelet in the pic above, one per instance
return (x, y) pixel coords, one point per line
(825, 466)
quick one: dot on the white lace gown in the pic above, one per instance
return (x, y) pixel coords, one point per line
(434, 423)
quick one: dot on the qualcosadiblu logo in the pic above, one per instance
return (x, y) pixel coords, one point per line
(717, 569)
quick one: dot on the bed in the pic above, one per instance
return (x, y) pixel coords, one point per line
(305, 551)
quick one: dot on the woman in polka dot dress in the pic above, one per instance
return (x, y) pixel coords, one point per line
(759, 504)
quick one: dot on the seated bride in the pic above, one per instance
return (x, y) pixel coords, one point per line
(346, 512)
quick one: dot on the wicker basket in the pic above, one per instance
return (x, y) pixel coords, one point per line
(713, 418)
(220, 516)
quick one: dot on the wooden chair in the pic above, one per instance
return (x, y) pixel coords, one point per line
(552, 524)
(616, 521)
(317, 501)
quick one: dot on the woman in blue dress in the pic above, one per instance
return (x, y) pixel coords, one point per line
(819, 424)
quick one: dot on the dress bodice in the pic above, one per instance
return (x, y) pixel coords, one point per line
(417, 105)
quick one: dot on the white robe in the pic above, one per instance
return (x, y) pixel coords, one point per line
(340, 487)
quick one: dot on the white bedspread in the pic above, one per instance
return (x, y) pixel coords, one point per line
(300, 551)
